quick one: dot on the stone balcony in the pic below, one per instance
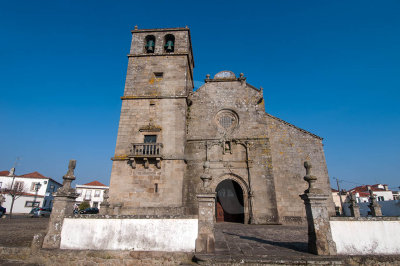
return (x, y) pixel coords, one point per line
(145, 151)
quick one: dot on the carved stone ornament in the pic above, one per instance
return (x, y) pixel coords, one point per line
(225, 75)
(310, 179)
(227, 120)
(150, 128)
(67, 180)
(206, 177)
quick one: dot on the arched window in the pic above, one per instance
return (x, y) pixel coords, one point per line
(150, 43)
(169, 43)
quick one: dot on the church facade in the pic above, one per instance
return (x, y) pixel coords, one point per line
(169, 136)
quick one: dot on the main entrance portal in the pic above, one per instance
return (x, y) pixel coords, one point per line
(230, 205)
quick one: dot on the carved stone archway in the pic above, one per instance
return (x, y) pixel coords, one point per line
(240, 181)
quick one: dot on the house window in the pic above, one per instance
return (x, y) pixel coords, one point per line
(52, 188)
(19, 186)
(44, 203)
(88, 194)
(1, 184)
(381, 198)
(79, 192)
(150, 44)
(150, 138)
(33, 186)
(97, 193)
(32, 204)
(169, 43)
(95, 204)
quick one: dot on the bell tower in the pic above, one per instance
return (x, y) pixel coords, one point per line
(148, 165)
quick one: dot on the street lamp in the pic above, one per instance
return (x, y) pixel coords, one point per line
(37, 187)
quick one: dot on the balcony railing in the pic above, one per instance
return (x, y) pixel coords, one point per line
(146, 149)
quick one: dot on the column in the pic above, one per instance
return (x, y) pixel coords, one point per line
(319, 231)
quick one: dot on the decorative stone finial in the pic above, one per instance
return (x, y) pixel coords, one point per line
(186, 27)
(208, 76)
(136, 27)
(241, 75)
(310, 178)
(374, 205)
(68, 178)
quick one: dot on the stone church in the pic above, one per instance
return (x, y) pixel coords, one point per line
(172, 139)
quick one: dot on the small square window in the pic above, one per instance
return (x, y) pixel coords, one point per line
(159, 75)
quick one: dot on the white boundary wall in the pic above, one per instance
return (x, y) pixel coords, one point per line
(129, 234)
(366, 237)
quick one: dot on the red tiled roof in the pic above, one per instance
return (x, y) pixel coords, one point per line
(365, 188)
(95, 183)
(4, 173)
(361, 194)
(34, 175)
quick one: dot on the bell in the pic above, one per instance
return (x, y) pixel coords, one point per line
(150, 46)
(169, 46)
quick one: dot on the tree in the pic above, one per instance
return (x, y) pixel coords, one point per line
(15, 190)
(84, 205)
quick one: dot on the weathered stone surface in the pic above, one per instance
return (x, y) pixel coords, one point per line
(319, 230)
(64, 201)
(205, 242)
(223, 122)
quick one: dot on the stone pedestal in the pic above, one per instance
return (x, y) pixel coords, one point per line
(319, 231)
(63, 205)
(205, 242)
(374, 205)
(105, 205)
(320, 240)
(354, 208)
(117, 208)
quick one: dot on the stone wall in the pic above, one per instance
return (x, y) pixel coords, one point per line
(154, 103)
(291, 147)
(240, 153)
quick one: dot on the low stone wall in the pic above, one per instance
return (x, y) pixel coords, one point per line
(139, 233)
(366, 235)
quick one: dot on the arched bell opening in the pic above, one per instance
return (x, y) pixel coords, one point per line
(150, 44)
(229, 205)
(169, 46)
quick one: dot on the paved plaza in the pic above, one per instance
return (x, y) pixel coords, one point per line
(260, 240)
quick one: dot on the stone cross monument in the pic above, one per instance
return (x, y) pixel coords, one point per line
(64, 200)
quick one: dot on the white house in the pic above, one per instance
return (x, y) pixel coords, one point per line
(381, 191)
(28, 184)
(91, 192)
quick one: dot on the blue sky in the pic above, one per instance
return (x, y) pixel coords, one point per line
(330, 67)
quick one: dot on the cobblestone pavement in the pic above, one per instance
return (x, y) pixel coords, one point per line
(261, 240)
(19, 230)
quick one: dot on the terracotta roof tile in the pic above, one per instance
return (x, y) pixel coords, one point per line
(4, 173)
(34, 175)
(95, 183)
